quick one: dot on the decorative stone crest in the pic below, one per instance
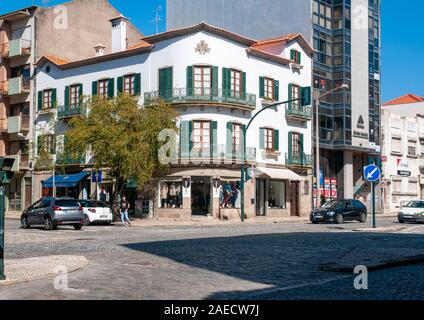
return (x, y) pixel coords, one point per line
(202, 48)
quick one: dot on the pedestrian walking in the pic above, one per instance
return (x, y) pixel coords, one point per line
(124, 211)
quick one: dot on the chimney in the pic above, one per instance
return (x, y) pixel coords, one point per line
(99, 50)
(119, 33)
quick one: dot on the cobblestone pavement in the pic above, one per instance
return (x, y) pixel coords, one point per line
(259, 261)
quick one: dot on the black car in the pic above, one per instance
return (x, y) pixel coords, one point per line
(339, 211)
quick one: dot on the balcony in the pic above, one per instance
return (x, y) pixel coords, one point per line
(299, 113)
(18, 124)
(71, 111)
(218, 97)
(17, 86)
(21, 162)
(303, 160)
(15, 48)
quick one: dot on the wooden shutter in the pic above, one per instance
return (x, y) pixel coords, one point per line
(276, 90)
(242, 140)
(39, 138)
(137, 84)
(94, 88)
(54, 98)
(299, 57)
(67, 97)
(80, 91)
(229, 140)
(214, 81)
(169, 82)
(189, 81)
(276, 140)
(120, 85)
(306, 94)
(185, 139)
(226, 82)
(292, 54)
(40, 100)
(261, 138)
(214, 139)
(290, 96)
(243, 83)
(261, 87)
(290, 144)
(302, 153)
(111, 88)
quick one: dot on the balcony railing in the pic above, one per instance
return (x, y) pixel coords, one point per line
(21, 162)
(71, 111)
(182, 95)
(18, 124)
(299, 112)
(19, 47)
(300, 160)
(18, 85)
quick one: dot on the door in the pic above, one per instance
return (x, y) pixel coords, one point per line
(260, 197)
(294, 199)
(33, 213)
(28, 192)
(350, 211)
(200, 195)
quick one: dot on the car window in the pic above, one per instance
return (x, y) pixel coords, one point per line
(99, 204)
(45, 203)
(334, 204)
(67, 203)
(415, 204)
(36, 205)
(85, 203)
(358, 205)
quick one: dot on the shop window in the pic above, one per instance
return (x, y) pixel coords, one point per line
(277, 194)
(229, 195)
(171, 195)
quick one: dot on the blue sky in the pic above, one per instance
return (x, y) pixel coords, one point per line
(402, 38)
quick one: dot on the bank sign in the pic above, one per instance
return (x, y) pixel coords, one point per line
(403, 169)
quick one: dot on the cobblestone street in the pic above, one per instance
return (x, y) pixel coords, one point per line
(251, 261)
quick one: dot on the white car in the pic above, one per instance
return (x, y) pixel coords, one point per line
(413, 211)
(96, 212)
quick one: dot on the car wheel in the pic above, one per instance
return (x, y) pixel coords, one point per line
(363, 218)
(314, 222)
(86, 220)
(77, 226)
(401, 221)
(48, 224)
(339, 218)
(24, 223)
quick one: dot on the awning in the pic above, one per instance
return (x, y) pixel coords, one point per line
(65, 181)
(279, 174)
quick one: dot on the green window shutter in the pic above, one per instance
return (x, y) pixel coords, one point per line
(302, 151)
(169, 82)
(226, 82)
(243, 147)
(261, 87)
(276, 140)
(243, 85)
(214, 81)
(292, 54)
(229, 139)
(261, 138)
(40, 100)
(214, 140)
(39, 144)
(54, 98)
(290, 96)
(306, 95)
(189, 81)
(94, 88)
(276, 90)
(185, 139)
(111, 88)
(290, 144)
(80, 92)
(137, 84)
(162, 83)
(120, 85)
(299, 57)
(67, 97)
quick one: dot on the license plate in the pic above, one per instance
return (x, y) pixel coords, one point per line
(318, 216)
(103, 217)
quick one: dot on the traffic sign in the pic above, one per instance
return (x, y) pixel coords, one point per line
(372, 173)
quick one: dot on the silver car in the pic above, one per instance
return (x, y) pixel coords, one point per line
(413, 211)
(53, 212)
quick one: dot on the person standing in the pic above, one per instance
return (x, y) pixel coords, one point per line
(124, 211)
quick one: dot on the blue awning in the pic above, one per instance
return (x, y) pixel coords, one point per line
(66, 180)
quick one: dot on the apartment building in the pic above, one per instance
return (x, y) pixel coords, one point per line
(217, 81)
(71, 31)
(346, 39)
(403, 151)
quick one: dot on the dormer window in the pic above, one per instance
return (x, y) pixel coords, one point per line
(296, 56)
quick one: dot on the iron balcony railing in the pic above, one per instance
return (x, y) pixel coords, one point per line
(181, 95)
(299, 112)
(301, 160)
(71, 111)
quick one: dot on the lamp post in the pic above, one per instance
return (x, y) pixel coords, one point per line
(317, 139)
(243, 153)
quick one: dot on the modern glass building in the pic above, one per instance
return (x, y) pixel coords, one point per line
(346, 37)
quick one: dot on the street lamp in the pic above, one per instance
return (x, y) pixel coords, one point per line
(305, 100)
(317, 139)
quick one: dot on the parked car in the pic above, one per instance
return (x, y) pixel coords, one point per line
(339, 211)
(96, 212)
(52, 212)
(413, 211)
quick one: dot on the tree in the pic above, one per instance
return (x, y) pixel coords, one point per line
(122, 136)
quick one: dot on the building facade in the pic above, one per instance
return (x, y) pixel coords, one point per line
(25, 36)
(346, 39)
(403, 151)
(217, 81)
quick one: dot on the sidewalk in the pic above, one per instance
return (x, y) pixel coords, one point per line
(30, 269)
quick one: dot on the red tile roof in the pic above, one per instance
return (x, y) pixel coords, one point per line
(284, 39)
(406, 99)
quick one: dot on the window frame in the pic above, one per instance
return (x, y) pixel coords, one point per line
(203, 89)
(233, 84)
(269, 83)
(130, 87)
(47, 99)
(103, 88)
(269, 133)
(74, 96)
(198, 146)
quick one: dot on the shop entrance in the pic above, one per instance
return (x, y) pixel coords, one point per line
(200, 195)
(294, 199)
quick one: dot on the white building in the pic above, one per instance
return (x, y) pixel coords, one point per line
(403, 148)
(217, 81)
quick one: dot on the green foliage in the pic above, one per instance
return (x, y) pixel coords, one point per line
(122, 136)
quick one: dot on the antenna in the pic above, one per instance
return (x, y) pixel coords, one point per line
(157, 18)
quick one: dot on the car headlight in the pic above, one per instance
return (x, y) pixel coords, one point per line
(331, 213)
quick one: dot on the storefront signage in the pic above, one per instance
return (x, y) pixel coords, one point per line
(403, 168)
(360, 135)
